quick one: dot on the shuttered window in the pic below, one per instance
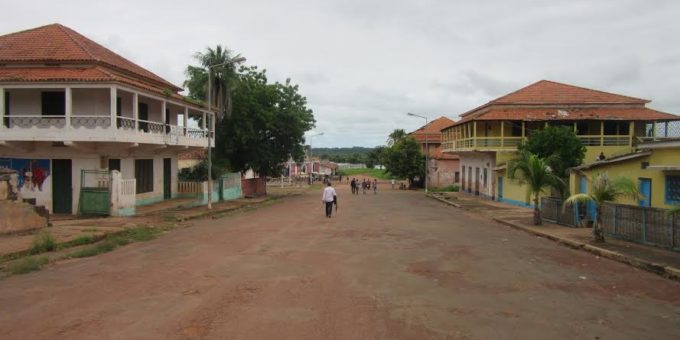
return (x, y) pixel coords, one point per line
(144, 175)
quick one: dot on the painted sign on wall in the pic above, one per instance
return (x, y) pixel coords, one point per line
(32, 172)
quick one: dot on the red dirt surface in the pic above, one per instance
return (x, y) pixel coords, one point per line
(390, 266)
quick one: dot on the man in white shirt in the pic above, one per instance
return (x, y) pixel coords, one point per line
(327, 198)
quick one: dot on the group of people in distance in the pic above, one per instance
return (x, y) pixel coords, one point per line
(364, 184)
(329, 197)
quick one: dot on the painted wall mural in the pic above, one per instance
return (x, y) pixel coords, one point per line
(32, 172)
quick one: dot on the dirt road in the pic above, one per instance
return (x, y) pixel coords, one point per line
(390, 266)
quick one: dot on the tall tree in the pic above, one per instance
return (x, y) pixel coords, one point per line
(267, 126)
(224, 77)
(559, 146)
(603, 189)
(530, 170)
(404, 159)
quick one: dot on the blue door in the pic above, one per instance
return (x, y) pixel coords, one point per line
(500, 188)
(646, 191)
(590, 206)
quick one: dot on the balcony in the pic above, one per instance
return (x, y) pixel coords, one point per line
(507, 135)
(100, 115)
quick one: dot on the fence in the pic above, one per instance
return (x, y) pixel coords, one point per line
(123, 195)
(642, 225)
(190, 187)
(645, 225)
(553, 211)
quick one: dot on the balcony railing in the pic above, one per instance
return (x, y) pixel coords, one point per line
(98, 128)
(511, 143)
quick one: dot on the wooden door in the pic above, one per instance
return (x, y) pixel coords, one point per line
(62, 187)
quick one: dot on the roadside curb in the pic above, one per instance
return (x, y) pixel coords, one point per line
(445, 201)
(215, 213)
(665, 271)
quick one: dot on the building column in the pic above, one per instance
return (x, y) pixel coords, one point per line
(474, 133)
(601, 133)
(164, 106)
(502, 132)
(68, 95)
(113, 106)
(185, 120)
(631, 133)
(135, 110)
(2, 108)
(524, 133)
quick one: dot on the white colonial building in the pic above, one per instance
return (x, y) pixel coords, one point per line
(72, 112)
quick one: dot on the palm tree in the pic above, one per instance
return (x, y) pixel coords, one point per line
(533, 171)
(224, 77)
(603, 189)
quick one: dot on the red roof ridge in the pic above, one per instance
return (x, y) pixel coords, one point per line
(82, 49)
(69, 32)
(544, 81)
(504, 100)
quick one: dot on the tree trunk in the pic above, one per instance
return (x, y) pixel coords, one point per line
(598, 231)
(537, 212)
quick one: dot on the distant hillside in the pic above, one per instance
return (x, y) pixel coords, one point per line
(355, 154)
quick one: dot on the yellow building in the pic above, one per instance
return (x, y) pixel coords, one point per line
(486, 137)
(655, 166)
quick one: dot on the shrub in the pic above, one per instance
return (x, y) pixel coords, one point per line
(28, 264)
(43, 242)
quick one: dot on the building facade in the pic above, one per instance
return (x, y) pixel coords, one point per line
(72, 111)
(487, 137)
(443, 168)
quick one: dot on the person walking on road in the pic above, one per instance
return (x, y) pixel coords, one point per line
(375, 186)
(353, 186)
(327, 198)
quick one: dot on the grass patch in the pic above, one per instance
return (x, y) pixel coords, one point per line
(450, 188)
(112, 242)
(376, 173)
(28, 264)
(43, 242)
(103, 247)
(141, 234)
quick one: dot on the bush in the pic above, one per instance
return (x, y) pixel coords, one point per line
(28, 264)
(450, 188)
(43, 242)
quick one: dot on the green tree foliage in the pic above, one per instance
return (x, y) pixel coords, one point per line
(267, 124)
(224, 77)
(395, 136)
(530, 170)
(558, 146)
(603, 189)
(375, 157)
(404, 159)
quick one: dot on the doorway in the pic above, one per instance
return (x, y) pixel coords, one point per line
(476, 181)
(62, 187)
(646, 192)
(167, 180)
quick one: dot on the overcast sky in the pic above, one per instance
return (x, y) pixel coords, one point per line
(364, 64)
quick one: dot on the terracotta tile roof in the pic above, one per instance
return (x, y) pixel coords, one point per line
(439, 155)
(590, 113)
(433, 130)
(553, 93)
(59, 44)
(80, 74)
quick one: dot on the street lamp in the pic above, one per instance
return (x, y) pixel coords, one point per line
(212, 118)
(427, 150)
(311, 162)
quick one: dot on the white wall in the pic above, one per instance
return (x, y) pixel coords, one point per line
(25, 101)
(472, 161)
(89, 102)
